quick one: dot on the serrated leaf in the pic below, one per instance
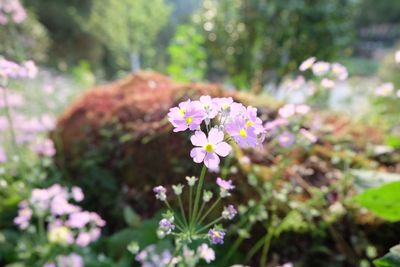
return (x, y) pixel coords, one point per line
(383, 201)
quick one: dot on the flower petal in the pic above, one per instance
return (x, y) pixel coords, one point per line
(215, 136)
(199, 138)
(211, 161)
(223, 149)
(197, 154)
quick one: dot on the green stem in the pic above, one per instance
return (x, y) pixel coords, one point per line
(209, 210)
(9, 120)
(198, 193)
(178, 223)
(201, 210)
(190, 203)
(41, 231)
(182, 210)
(210, 224)
(233, 248)
(266, 247)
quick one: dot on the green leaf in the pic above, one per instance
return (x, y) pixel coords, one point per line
(391, 259)
(131, 217)
(383, 201)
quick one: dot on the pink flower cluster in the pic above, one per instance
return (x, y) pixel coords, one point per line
(11, 9)
(220, 116)
(71, 260)
(53, 203)
(282, 126)
(329, 73)
(10, 69)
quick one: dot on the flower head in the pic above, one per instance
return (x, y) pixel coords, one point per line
(167, 225)
(286, 139)
(242, 133)
(320, 68)
(189, 115)
(225, 186)
(208, 149)
(306, 64)
(191, 180)
(206, 253)
(160, 192)
(229, 212)
(216, 236)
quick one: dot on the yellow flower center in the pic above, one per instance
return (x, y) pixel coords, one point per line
(182, 111)
(225, 106)
(189, 120)
(209, 148)
(243, 133)
(249, 123)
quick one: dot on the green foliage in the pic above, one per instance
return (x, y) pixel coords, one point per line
(383, 201)
(187, 54)
(28, 40)
(253, 40)
(127, 27)
(391, 259)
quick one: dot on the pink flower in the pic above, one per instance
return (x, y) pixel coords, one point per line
(209, 106)
(23, 218)
(60, 206)
(302, 109)
(97, 219)
(225, 184)
(224, 104)
(287, 111)
(208, 149)
(188, 115)
(385, 89)
(243, 134)
(320, 68)
(308, 135)
(306, 64)
(286, 139)
(3, 155)
(94, 234)
(78, 219)
(77, 194)
(340, 71)
(71, 260)
(327, 83)
(45, 148)
(83, 239)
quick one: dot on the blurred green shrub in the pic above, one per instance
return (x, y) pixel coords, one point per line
(257, 39)
(27, 40)
(187, 54)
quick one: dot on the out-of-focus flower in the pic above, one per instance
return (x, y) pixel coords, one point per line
(78, 219)
(320, 68)
(385, 89)
(45, 148)
(23, 218)
(77, 194)
(49, 264)
(11, 9)
(208, 149)
(308, 135)
(340, 71)
(60, 235)
(327, 83)
(3, 155)
(71, 260)
(286, 139)
(216, 236)
(306, 64)
(206, 253)
(288, 264)
(229, 212)
(83, 239)
(160, 192)
(191, 180)
(287, 111)
(302, 109)
(397, 56)
(225, 186)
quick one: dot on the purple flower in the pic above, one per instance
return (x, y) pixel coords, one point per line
(216, 236)
(229, 212)
(208, 149)
(60, 206)
(243, 134)
(94, 233)
(160, 192)
(302, 109)
(188, 115)
(287, 111)
(254, 121)
(45, 148)
(286, 139)
(166, 225)
(206, 253)
(224, 104)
